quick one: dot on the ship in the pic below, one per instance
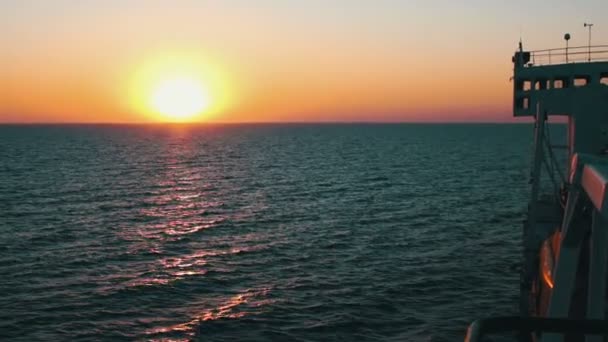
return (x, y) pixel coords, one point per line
(563, 271)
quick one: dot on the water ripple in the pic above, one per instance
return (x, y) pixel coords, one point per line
(255, 233)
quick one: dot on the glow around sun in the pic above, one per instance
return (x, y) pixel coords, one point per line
(179, 89)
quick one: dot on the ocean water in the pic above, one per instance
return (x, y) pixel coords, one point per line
(259, 232)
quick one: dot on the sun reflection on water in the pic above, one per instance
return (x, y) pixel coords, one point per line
(237, 306)
(183, 230)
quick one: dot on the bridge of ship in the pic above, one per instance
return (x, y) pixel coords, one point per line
(556, 77)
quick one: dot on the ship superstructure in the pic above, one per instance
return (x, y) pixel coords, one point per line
(565, 237)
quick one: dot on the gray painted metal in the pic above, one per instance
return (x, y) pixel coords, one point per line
(594, 180)
(596, 295)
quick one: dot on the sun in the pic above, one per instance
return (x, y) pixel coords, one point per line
(179, 98)
(179, 87)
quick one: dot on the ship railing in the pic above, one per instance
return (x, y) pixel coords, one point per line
(529, 325)
(575, 54)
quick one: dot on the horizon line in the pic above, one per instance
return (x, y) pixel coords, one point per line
(24, 123)
(524, 121)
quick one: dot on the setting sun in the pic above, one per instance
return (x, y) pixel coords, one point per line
(179, 87)
(179, 99)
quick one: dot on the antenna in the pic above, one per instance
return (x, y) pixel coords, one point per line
(567, 38)
(589, 25)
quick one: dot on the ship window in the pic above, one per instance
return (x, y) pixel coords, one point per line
(604, 78)
(559, 83)
(581, 81)
(524, 85)
(522, 102)
(541, 84)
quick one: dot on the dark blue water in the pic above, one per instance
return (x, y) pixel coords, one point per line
(260, 232)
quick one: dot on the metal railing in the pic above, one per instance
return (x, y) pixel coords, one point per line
(575, 54)
(530, 325)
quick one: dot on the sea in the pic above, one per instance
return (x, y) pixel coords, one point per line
(259, 232)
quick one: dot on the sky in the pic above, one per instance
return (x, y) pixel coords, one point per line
(275, 61)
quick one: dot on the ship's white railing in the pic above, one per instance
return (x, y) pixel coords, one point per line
(575, 54)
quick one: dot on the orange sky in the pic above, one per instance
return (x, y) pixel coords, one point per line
(66, 61)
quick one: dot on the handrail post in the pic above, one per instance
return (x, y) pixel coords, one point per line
(589, 25)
